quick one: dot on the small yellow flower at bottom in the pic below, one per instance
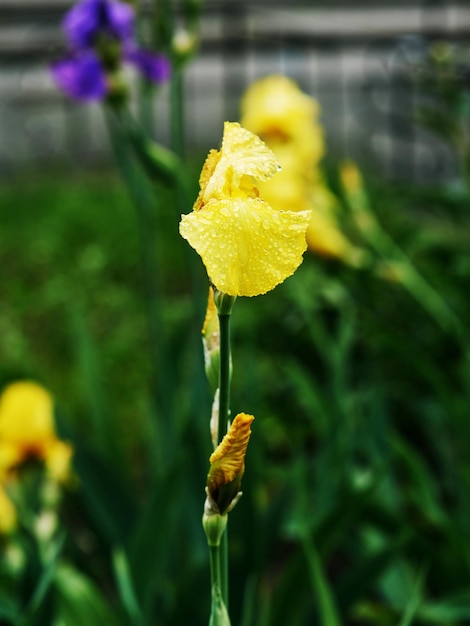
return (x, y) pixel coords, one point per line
(27, 430)
(248, 247)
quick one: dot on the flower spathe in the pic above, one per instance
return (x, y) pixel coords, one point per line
(248, 248)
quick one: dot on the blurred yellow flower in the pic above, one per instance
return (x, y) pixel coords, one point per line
(27, 430)
(287, 119)
(247, 247)
(351, 177)
(284, 117)
(228, 463)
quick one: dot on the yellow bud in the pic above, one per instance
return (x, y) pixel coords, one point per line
(228, 464)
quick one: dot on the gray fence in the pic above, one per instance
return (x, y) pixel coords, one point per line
(356, 60)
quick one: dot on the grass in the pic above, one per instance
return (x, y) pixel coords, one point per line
(355, 507)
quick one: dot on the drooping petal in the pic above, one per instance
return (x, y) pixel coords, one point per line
(155, 67)
(247, 247)
(81, 78)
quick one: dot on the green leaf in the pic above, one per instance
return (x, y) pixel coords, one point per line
(79, 603)
(9, 609)
(126, 586)
(106, 498)
(414, 601)
(44, 582)
(447, 610)
(326, 605)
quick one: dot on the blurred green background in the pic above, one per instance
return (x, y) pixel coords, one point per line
(355, 508)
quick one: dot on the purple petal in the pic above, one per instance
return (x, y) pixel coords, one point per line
(82, 22)
(81, 78)
(155, 67)
(120, 19)
(88, 18)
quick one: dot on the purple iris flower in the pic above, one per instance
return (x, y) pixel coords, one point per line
(91, 17)
(81, 77)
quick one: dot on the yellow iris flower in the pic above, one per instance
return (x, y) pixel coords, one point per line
(27, 429)
(247, 247)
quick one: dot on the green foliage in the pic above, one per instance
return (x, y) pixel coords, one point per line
(355, 507)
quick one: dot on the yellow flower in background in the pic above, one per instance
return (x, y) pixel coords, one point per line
(247, 247)
(228, 463)
(285, 118)
(27, 430)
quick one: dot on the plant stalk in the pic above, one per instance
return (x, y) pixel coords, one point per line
(224, 413)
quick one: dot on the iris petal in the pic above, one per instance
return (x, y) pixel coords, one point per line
(155, 67)
(88, 18)
(81, 77)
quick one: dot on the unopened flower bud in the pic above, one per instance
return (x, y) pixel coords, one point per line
(228, 465)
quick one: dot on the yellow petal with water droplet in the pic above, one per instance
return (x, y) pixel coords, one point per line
(247, 247)
(242, 154)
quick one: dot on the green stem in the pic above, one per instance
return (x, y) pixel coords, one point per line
(223, 557)
(177, 112)
(326, 605)
(224, 413)
(410, 278)
(144, 200)
(215, 566)
(224, 375)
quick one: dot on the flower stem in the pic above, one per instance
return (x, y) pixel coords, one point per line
(177, 121)
(224, 413)
(223, 557)
(224, 375)
(215, 566)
